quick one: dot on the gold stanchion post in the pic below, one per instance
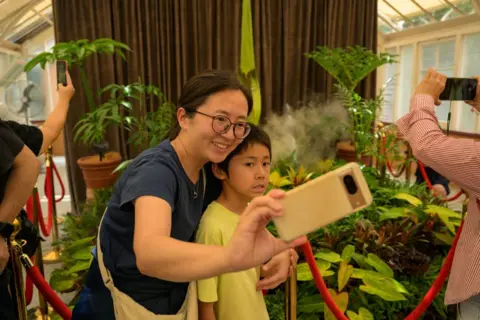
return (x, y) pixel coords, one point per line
(19, 286)
(53, 256)
(291, 297)
(38, 255)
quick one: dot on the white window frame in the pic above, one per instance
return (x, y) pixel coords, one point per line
(438, 32)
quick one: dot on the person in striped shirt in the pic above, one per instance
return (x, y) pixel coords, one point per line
(457, 160)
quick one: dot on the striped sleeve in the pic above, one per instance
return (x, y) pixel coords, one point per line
(454, 158)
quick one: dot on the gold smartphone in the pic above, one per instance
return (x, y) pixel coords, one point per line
(323, 200)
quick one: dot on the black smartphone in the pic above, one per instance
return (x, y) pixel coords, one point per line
(459, 89)
(62, 72)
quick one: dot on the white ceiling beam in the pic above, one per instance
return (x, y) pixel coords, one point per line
(451, 5)
(476, 6)
(44, 17)
(428, 13)
(16, 17)
(389, 22)
(10, 48)
(398, 12)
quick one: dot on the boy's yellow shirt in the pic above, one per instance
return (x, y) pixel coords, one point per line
(234, 294)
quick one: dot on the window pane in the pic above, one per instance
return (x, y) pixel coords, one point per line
(429, 57)
(446, 57)
(405, 80)
(389, 90)
(470, 67)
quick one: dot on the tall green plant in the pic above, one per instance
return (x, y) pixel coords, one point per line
(351, 65)
(348, 67)
(76, 53)
(126, 107)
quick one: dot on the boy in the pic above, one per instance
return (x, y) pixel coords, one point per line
(244, 175)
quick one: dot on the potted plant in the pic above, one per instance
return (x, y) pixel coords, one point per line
(96, 169)
(348, 67)
(146, 129)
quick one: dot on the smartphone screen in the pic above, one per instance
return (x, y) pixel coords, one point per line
(62, 72)
(459, 89)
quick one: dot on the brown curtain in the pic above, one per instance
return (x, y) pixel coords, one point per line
(174, 39)
(171, 40)
(284, 30)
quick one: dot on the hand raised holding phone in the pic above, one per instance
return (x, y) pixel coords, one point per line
(64, 82)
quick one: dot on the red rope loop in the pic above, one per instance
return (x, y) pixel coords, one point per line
(430, 186)
(49, 176)
(389, 164)
(415, 314)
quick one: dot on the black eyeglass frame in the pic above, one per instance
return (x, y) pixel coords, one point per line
(236, 125)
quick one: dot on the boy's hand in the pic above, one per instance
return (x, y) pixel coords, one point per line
(439, 190)
(277, 270)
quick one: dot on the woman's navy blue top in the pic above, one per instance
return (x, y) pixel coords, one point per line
(155, 172)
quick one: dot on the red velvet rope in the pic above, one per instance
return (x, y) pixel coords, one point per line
(48, 193)
(388, 164)
(47, 292)
(415, 314)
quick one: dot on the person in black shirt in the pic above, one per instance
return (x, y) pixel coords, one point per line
(19, 169)
(439, 182)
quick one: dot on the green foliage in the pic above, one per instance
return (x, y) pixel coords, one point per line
(146, 130)
(76, 53)
(382, 260)
(77, 242)
(351, 65)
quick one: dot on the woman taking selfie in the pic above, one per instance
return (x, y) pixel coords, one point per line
(147, 258)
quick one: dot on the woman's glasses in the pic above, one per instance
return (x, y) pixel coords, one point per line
(221, 124)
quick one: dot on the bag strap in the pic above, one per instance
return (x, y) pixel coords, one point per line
(204, 181)
(106, 276)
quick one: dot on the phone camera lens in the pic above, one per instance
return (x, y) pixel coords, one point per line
(350, 184)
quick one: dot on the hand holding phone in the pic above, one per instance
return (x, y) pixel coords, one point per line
(322, 201)
(64, 83)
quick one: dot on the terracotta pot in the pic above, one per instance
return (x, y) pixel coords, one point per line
(346, 151)
(98, 174)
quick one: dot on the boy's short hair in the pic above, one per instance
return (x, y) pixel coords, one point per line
(256, 136)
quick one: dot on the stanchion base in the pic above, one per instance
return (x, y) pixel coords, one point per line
(51, 257)
(40, 316)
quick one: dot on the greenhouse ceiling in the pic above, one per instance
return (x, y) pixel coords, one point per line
(400, 15)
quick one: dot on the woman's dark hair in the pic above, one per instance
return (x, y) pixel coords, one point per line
(200, 87)
(256, 136)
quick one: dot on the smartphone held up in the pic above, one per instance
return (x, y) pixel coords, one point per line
(62, 72)
(459, 89)
(322, 201)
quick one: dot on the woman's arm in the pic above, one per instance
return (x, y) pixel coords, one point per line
(158, 255)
